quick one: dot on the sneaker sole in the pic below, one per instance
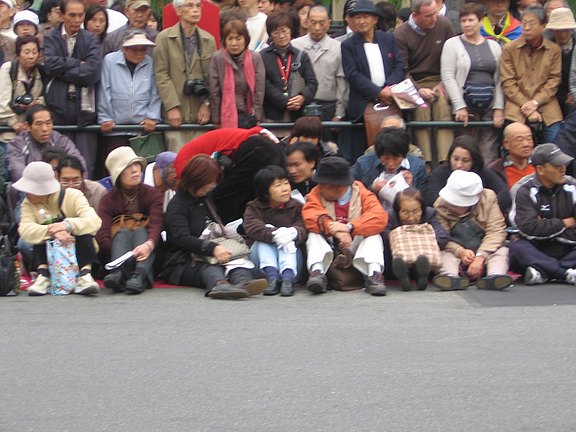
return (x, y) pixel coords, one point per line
(256, 286)
(90, 290)
(495, 283)
(422, 268)
(35, 293)
(447, 283)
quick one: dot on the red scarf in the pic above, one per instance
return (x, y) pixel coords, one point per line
(228, 108)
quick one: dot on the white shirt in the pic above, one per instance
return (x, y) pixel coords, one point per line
(375, 63)
(256, 26)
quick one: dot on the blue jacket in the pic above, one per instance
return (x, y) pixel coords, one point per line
(369, 166)
(127, 99)
(357, 71)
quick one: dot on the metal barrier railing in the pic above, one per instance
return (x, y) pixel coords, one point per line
(278, 125)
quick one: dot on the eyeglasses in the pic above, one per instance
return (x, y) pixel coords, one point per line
(410, 212)
(71, 183)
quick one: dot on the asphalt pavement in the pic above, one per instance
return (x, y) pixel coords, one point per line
(173, 360)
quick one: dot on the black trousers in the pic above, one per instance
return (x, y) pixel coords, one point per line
(524, 253)
(206, 275)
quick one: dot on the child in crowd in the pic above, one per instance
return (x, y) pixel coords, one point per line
(273, 221)
(409, 209)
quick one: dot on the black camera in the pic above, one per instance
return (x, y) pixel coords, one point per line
(196, 87)
(25, 99)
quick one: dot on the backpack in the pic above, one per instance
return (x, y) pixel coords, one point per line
(9, 274)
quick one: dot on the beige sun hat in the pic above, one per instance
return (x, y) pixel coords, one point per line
(137, 40)
(561, 19)
(38, 179)
(121, 158)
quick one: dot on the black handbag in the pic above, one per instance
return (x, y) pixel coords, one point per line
(478, 97)
(9, 275)
(467, 233)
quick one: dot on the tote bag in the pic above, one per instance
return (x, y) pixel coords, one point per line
(410, 241)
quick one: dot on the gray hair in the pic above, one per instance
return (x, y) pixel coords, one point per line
(564, 2)
(130, 33)
(319, 7)
(178, 3)
(417, 4)
(538, 12)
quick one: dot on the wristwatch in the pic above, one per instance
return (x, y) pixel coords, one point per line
(350, 227)
(479, 254)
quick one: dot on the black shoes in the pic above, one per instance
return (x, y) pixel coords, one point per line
(115, 280)
(226, 291)
(375, 285)
(400, 270)
(317, 282)
(287, 288)
(136, 284)
(273, 288)
(422, 268)
(494, 282)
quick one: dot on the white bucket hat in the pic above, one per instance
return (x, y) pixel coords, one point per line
(561, 19)
(462, 189)
(138, 40)
(38, 179)
(120, 158)
(26, 16)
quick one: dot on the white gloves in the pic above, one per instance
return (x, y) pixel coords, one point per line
(284, 235)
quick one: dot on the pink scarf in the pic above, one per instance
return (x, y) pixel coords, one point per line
(228, 108)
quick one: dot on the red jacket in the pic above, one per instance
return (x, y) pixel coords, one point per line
(373, 217)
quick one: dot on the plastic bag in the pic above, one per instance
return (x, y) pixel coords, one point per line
(63, 266)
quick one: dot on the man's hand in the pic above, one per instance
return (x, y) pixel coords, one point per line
(440, 90)
(222, 254)
(204, 114)
(344, 239)
(427, 94)
(337, 227)
(462, 116)
(295, 103)
(174, 117)
(528, 108)
(385, 95)
(407, 174)
(149, 125)
(107, 126)
(535, 117)
(377, 185)
(569, 222)
(18, 127)
(476, 268)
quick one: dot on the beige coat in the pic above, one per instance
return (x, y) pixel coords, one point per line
(530, 76)
(485, 213)
(77, 212)
(170, 69)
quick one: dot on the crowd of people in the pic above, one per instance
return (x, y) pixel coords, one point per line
(241, 210)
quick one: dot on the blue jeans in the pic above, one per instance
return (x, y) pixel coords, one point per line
(268, 255)
(549, 132)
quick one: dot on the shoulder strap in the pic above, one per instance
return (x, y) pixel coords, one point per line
(212, 210)
(13, 75)
(61, 200)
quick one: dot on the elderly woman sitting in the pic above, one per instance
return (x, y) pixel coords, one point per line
(477, 229)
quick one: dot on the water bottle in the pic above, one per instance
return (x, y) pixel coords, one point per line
(45, 217)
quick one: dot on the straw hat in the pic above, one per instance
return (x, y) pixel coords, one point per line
(38, 179)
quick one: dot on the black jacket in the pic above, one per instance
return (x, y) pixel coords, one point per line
(185, 219)
(274, 98)
(82, 69)
(538, 213)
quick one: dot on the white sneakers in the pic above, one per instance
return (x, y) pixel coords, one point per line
(570, 276)
(534, 277)
(85, 285)
(40, 287)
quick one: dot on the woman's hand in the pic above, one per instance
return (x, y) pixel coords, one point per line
(55, 228)
(462, 116)
(476, 268)
(498, 118)
(222, 254)
(143, 251)
(63, 236)
(466, 256)
(295, 103)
